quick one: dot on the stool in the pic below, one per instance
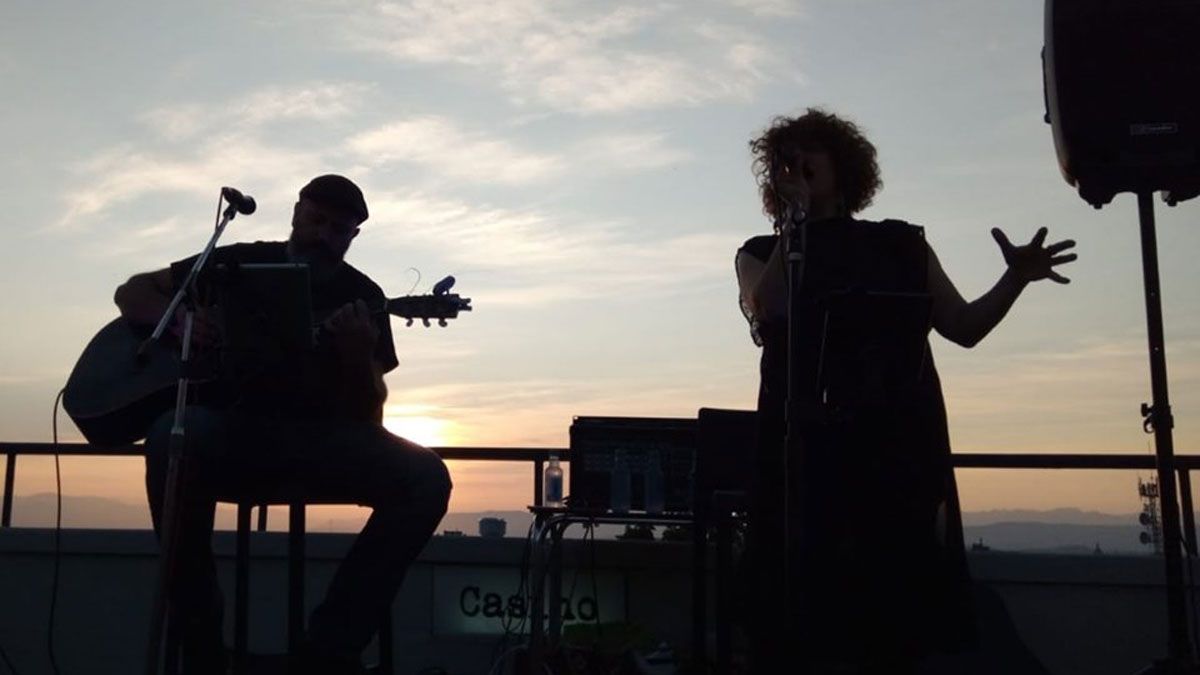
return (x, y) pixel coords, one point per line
(296, 503)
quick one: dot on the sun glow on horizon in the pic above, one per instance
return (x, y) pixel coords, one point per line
(421, 429)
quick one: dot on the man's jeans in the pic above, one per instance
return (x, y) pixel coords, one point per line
(228, 453)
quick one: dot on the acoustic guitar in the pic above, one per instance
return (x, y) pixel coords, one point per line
(114, 393)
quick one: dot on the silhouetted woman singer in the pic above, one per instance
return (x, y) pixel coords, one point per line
(878, 559)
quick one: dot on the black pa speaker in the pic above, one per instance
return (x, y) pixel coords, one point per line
(1122, 88)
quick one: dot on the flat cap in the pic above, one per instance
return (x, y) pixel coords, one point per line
(336, 192)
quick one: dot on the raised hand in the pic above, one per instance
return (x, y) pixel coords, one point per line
(1033, 261)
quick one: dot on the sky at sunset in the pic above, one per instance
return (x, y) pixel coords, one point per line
(582, 169)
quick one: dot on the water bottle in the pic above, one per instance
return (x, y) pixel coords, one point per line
(552, 483)
(619, 493)
(653, 484)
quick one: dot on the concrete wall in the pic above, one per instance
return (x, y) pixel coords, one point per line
(1076, 614)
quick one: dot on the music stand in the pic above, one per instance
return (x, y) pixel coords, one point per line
(267, 316)
(872, 344)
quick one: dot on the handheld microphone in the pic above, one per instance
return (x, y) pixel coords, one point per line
(243, 203)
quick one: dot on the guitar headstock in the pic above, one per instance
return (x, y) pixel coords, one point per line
(425, 307)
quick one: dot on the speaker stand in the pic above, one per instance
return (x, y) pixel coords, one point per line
(1181, 660)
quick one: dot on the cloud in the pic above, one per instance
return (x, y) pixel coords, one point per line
(548, 257)
(632, 151)
(439, 144)
(447, 150)
(239, 155)
(156, 241)
(125, 173)
(575, 56)
(231, 151)
(772, 8)
(540, 257)
(318, 101)
(177, 122)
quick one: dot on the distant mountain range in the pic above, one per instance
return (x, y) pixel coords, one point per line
(1055, 531)
(1072, 516)
(1064, 530)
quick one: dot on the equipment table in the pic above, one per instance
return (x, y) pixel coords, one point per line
(549, 524)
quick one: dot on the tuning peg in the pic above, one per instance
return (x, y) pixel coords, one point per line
(408, 323)
(442, 323)
(426, 322)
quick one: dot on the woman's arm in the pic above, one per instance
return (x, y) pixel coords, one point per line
(966, 323)
(761, 283)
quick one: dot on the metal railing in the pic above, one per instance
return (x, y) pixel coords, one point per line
(1184, 465)
(537, 456)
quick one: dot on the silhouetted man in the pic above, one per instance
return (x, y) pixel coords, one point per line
(316, 424)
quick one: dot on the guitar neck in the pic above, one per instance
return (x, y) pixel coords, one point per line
(439, 307)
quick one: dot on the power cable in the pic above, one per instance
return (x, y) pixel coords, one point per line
(57, 538)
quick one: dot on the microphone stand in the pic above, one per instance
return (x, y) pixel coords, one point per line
(795, 242)
(176, 461)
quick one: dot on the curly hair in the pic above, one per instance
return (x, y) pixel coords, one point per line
(857, 173)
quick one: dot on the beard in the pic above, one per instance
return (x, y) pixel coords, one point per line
(322, 262)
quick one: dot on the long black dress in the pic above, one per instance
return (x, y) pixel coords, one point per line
(878, 565)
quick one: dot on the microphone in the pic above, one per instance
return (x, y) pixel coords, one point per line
(243, 203)
(794, 214)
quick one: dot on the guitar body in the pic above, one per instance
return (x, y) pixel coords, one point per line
(112, 396)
